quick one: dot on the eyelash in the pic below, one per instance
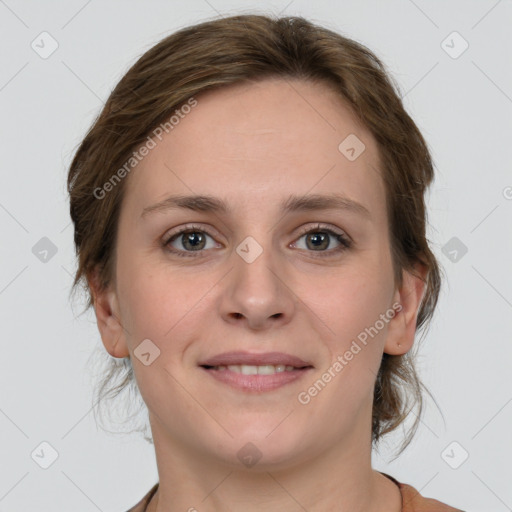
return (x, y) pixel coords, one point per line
(345, 242)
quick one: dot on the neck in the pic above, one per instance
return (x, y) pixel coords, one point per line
(338, 479)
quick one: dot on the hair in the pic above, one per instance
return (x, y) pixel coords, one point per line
(239, 49)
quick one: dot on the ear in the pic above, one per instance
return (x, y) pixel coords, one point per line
(402, 327)
(108, 318)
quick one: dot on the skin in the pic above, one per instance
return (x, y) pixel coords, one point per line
(253, 145)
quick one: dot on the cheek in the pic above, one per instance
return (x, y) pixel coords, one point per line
(350, 301)
(355, 342)
(161, 305)
(351, 325)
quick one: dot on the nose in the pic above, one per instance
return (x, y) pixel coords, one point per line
(257, 294)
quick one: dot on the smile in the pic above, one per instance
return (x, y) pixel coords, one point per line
(267, 369)
(256, 378)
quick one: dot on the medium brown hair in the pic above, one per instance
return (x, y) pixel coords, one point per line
(244, 48)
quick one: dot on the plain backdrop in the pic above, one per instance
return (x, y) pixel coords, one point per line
(452, 61)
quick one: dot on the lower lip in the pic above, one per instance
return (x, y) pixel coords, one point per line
(257, 383)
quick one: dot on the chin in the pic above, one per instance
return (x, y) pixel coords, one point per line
(254, 449)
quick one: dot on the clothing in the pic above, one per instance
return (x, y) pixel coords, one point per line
(143, 503)
(412, 501)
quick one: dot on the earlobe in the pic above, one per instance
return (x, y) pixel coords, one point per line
(108, 319)
(402, 327)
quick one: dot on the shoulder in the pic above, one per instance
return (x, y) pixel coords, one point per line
(143, 503)
(413, 501)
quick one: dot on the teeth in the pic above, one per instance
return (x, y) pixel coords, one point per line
(268, 369)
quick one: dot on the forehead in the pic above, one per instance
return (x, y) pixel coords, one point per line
(269, 138)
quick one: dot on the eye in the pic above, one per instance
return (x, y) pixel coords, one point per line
(319, 239)
(190, 239)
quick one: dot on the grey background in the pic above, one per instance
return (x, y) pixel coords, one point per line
(463, 106)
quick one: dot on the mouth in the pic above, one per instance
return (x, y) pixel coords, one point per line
(245, 369)
(256, 372)
(239, 358)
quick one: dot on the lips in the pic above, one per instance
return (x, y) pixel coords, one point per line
(256, 373)
(252, 359)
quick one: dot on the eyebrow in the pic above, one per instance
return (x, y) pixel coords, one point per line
(312, 202)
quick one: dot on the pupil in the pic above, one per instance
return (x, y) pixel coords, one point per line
(194, 239)
(318, 238)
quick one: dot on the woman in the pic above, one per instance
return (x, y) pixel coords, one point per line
(250, 225)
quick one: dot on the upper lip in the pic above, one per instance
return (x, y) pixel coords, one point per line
(254, 359)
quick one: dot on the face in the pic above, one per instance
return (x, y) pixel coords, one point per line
(306, 281)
